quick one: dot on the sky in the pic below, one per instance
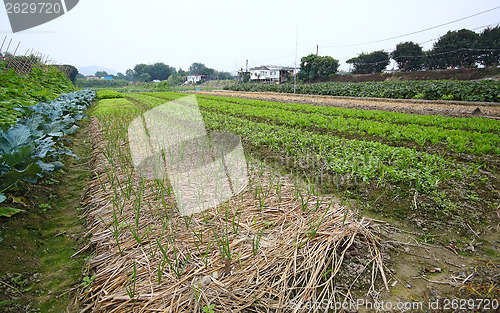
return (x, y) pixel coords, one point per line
(223, 34)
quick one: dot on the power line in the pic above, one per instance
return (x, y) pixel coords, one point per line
(434, 39)
(485, 26)
(412, 33)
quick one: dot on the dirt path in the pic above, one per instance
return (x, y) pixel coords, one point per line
(445, 108)
(40, 269)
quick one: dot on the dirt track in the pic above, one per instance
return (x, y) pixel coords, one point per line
(445, 108)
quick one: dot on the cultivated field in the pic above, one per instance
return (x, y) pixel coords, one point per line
(342, 204)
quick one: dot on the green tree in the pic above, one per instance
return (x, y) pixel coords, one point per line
(409, 56)
(200, 68)
(209, 73)
(489, 42)
(225, 76)
(314, 67)
(455, 49)
(144, 77)
(120, 76)
(325, 67)
(175, 80)
(370, 63)
(70, 71)
(140, 69)
(160, 71)
(101, 73)
(130, 75)
(306, 68)
(196, 68)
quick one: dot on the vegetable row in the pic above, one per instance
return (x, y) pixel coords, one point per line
(483, 90)
(462, 123)
(456, 140)
(359, 160)
(33, 146)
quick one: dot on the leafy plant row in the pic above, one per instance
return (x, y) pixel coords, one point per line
(40, 85)
(355, 160)
(456, 140)
(483, 90)
(359, 160)
(33, 146)
(108, 94)
(460, 123)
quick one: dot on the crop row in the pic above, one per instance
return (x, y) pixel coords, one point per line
(356, 160)
(484, 90)
(33, 145)
(462, 123)
(363, 161)
(457, 140)
(40, 85)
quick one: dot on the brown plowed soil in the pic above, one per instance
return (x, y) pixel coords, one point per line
(442, 107)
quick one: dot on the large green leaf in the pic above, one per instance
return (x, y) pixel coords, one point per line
(29, 174)
(8, 212)
(19, 135)
(18, 156)
(50, 167)
(43, 146)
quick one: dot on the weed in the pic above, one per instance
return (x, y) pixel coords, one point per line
(87, 281)
(209, 309)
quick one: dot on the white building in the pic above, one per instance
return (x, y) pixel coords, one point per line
(270, 73)
(192, 79)
(276, 74)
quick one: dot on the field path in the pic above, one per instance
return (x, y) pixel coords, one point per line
(425, 107)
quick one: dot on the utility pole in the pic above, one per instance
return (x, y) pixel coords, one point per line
(246, 70)
(317, 50)
(295, 67)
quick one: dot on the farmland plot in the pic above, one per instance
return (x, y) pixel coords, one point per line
(271, 244)
(279, 244)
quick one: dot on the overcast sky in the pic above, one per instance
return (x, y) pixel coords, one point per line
(118, 34)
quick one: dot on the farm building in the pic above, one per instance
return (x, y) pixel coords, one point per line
(195, 78)
(274, 74)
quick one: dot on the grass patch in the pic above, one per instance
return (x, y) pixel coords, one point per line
(110, 106)
(108, 94)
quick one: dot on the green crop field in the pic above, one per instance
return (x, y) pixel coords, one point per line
(446, 166)
(325, 185)
(483, 90)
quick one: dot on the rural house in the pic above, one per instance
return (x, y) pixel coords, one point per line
(195, 78)
(273, 74)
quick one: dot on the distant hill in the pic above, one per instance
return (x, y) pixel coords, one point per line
(91, 69)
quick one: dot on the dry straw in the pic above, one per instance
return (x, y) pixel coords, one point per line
(259, 252)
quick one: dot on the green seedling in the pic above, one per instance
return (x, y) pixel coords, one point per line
(87, 281)
(209, 309)
(130, 285)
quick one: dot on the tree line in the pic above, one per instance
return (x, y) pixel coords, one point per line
(456, 49)
(163, 72)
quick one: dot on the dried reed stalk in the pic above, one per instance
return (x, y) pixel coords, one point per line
(290, 265)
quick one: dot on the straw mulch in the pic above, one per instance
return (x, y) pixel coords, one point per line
(274, 259)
